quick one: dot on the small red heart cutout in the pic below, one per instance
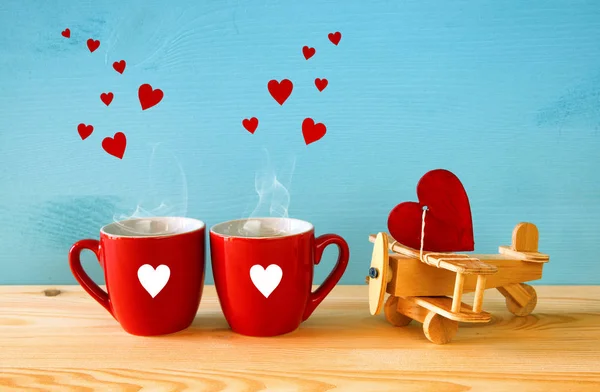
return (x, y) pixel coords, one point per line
(321, 84)
(335, 37)
(250, 124)
(115, 146)
(308, 52)
(119, 66)
(311, 131)
(280, 91)
(107, 98)
(149, 97)
(66, 33)
(93, 44)
(448, 221)
(84, 131)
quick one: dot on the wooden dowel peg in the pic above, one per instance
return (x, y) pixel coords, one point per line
(458, 290)
(479, 290)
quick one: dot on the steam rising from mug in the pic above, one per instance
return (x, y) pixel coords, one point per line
(273, 199)
(164, 195)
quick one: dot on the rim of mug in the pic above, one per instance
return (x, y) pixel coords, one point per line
(309, 229)
(201, 225)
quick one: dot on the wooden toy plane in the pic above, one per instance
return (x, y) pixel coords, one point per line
(428, 286)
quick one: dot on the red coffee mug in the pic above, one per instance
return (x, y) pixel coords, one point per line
(153, 269)
(263, 270)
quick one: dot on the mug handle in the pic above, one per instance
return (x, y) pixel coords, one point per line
(84, 280)
(334, 277)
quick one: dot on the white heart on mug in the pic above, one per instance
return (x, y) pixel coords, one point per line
(266, 280)
(154, 280)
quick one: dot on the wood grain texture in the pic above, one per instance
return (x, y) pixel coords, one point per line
(55, 341)
(437, 281)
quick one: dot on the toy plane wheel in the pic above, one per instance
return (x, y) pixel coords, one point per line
(378, 273)
(392, 315)
(438, 329)
(521, 298)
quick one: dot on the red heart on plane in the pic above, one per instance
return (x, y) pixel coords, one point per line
(84, 131)
(93, 44)
(280, 91)
(308, 52)
(66, 33)
(250, 124)
(115, 146)
(448, 221)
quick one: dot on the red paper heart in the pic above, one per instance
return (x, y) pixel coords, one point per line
(119, 66)
(66, 33)
(321, 84)
(448, 222)
(308, 52)
(335, 37)
(148, 96)
(311, 131)
(280, 91)
(115, 146)
(107, 98)
(84, 130)
(250, 124)
(93, 44)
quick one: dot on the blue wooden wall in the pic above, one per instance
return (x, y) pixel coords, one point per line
(506, 94)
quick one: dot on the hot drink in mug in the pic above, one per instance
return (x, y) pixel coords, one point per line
(153, 269)
(263, 271)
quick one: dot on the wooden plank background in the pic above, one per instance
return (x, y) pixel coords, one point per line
(503, 93)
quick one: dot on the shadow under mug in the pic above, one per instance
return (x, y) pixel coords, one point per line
(153, 269)
(263, 271)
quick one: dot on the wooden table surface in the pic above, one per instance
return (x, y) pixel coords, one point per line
(54, 337)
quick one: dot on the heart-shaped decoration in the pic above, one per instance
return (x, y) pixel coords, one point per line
(119, 66)
(93, 44)
(266, 280)
(448, 221)
(154, 280)
(311, 131)
(107, 98)
(149, 97)
(321, 83)
(308, 52)
(280, 91)
(66, 33)
(335, 37)
(250, 124)
(84, 131)
(116, 145)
